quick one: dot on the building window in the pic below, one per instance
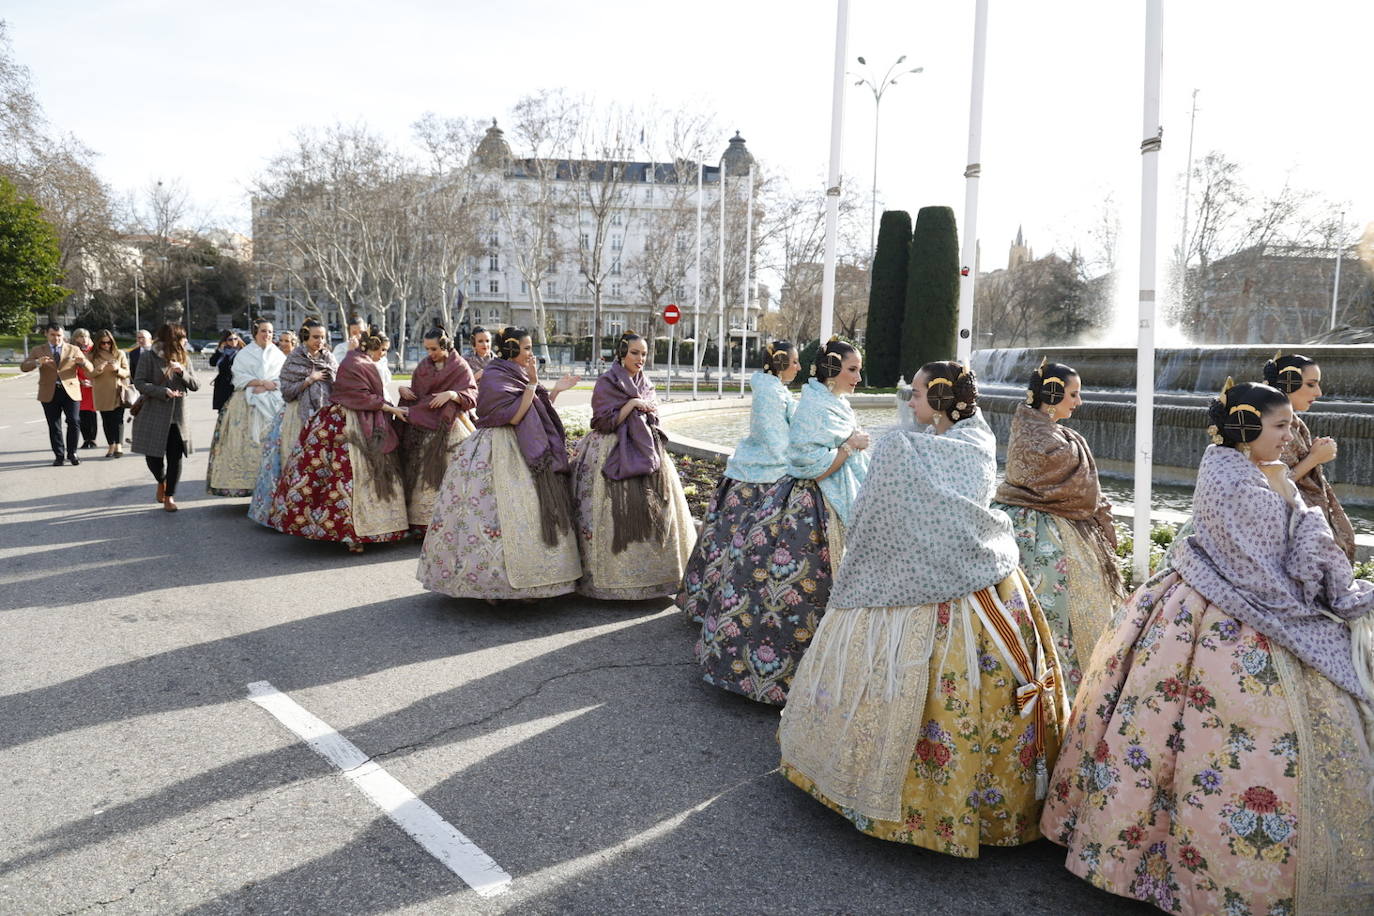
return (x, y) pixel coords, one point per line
(494, 262)
(524, 287)
(553, 288)
(680, 292)
(584, 240)
(680, 243)
(617, 219)
(494, 286)
(494, 214)
(615, 290)
(649, 195)
(617, 243)
(615, 267)
(476, 285)
(494, 316)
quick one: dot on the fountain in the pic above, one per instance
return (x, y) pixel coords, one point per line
(1187, 378)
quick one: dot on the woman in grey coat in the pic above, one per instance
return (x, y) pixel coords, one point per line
(161, 434)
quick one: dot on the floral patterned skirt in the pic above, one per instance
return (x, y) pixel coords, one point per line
(734, 507)
(235, 454)
(315, 496)
(644, 569)
(973, 770)
(1068, 582)
(1206, 770)
(775, 583)
(277, 449)
(469, 553)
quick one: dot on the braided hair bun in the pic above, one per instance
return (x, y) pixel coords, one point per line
(1237, 414)
(779, 356)
(440, 336)
(951, 389)
(1049, 383)
(1285, 372)
(507, 343)
(370, 341)
(830, 359)
(622, 346)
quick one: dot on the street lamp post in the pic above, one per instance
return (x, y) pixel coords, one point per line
(878, 88)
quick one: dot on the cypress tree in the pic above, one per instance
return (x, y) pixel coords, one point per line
(931, 321)
(887, 299)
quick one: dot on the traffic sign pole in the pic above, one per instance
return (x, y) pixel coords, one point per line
(671, 314)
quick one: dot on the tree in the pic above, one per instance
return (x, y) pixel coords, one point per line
(887, 299)
(29, 261)
(600, 193)
(932, 293)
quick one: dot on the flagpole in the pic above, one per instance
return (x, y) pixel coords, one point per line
(832, 189)
(748, 263)
(720, 292)
(968, 279)
(1145, 347)
(696, 319)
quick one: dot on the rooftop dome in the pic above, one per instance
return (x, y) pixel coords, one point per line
(737, 158)
(493, 152)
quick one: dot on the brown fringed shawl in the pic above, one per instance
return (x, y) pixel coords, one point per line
(1050, 468)
(430, 379)
(1316, 490)
(543, 443)
(634, 473)
(358, 387)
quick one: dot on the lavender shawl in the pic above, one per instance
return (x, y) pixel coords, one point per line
(540, 432)
(429, 379)
(1273, 566)
(308, 396)
(635, 453)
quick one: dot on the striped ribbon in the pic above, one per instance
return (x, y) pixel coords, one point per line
(1037, 681)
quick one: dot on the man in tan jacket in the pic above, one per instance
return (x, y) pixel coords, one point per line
(59, 389)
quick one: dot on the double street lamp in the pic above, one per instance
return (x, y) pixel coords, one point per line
(878, 87)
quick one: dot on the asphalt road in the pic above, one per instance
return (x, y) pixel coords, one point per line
(571, 740)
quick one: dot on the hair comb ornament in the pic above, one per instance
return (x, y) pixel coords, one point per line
(1230, 383)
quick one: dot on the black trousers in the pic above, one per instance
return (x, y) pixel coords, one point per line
(61, 406)
(113, 421)
(88, 426)
(169, 474)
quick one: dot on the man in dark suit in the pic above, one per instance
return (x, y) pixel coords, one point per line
(145, 342)
(59, 389)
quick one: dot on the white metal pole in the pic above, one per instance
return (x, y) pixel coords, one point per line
(1187, 197)
(748, 263)
(832, 190)
(1336, 287)
(968, 279)
(696, 320)
(136, 323)
(720, 294)
(1145, 349)
(668, 385)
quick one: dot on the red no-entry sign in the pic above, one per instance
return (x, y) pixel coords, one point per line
(671, 314)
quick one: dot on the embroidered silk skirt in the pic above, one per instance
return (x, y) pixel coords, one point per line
(325, 492)
(734, 508)
(484, 538)
(1068, 582)
(417, 448)
(775, 578)
(282, 439)
(235, 454)
(1207, 770)
(931, 705)
(645, 569)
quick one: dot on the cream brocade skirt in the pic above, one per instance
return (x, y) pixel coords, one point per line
(235, 453)
(644, 569)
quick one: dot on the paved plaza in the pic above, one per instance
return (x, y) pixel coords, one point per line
(570, 741)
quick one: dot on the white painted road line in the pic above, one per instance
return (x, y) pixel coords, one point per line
(31, 422)
(424, 825)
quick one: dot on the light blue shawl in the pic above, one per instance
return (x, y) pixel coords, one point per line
(819, 427)
(760, 456)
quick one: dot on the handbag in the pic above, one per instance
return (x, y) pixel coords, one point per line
(127, 399)
(136, 407)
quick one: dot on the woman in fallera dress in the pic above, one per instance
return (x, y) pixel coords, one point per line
(439, 397)
(764, 613)
(236, 449)
(502, 526)
(306, 378)
(930, 707)
(344, 483)
(1061, 519)
(1300, 378)
(759, 460)
(633, 521)
(1217, 759)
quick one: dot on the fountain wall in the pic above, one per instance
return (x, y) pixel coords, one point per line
(1186, 380)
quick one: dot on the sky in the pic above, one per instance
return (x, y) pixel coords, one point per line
(208, 93)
